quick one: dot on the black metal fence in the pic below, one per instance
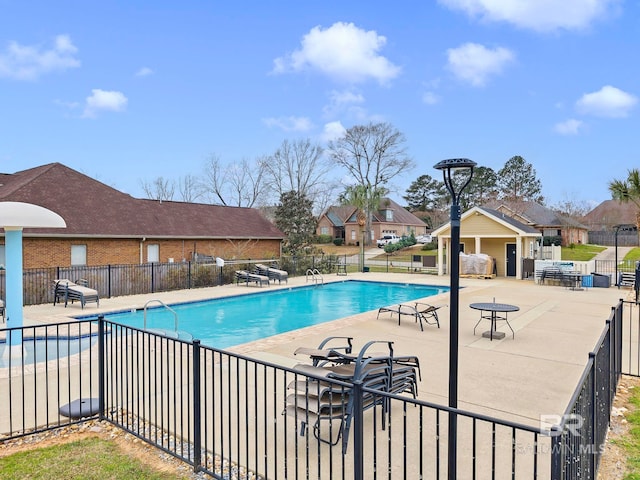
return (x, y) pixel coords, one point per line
(222, 412)
(52, 367)
(118, 280)
(579, 438)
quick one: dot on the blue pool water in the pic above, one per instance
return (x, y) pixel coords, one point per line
(230, 321)
(36, 350)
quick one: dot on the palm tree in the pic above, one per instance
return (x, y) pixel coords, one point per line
(366, 199)
(628, 191)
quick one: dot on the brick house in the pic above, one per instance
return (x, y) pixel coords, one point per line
(106, 226)
(341, 222)
(546, 221)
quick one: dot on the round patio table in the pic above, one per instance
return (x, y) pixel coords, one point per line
(494, 312)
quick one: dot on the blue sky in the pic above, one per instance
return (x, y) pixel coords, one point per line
(127, 91)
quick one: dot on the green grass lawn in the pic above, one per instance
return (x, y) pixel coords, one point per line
(581, 252)
(633, 255)
(88, 459)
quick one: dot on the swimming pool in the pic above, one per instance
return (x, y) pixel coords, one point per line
(230, 321)
(44, 349)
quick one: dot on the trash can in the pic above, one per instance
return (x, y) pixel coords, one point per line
(365, 269)
(601, 280)
(587, 281)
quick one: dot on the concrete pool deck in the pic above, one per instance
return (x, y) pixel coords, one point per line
(513, 379)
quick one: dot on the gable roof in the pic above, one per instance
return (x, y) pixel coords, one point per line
(495, 215)
(339, 215)
(610, 213)
(401, 215)
(533, 213)
(91, 208)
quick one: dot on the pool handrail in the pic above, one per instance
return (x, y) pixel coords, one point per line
(175, 314)
(315, 275)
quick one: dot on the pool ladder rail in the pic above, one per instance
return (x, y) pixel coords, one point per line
(315, 275)
(175, 314)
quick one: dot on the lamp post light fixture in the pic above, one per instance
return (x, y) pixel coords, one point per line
(448, 167)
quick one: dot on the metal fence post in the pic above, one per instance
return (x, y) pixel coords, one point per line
(358, 442)
(557, 459)
(101, 364)
(197, 414)
(109, 281)
(594, 409)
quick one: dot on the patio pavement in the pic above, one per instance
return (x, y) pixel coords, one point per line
(513, 379)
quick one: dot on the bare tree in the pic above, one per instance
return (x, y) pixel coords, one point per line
(189, 188)
(372, 154)
(297, 166)
(159, 189)
(240, 184)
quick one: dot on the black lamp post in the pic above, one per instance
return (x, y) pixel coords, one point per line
(448, 167)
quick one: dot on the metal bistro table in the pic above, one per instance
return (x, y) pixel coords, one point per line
(493, 310)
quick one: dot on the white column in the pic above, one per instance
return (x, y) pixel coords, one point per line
(14, 300)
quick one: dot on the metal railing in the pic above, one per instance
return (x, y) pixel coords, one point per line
(220, 411)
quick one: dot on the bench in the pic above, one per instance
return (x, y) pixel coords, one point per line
(626, 279)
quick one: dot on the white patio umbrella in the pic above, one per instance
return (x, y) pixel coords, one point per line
(14, 217)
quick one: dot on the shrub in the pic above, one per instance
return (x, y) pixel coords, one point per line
(338, 241)
(325, 238)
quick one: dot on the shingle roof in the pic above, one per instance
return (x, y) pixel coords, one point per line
(610, 213)
(400, 215)
(541, 216)
(511, 221)
(91, 208)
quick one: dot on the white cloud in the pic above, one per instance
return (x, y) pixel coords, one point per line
(474, 63)
(30, 62)
(333, 131)
(538, 15)
(144, 72)
(569, 127)
(104, 100)
(290, 124)
(430, 98)
(343, 52)
(607, 102)
(343, 101)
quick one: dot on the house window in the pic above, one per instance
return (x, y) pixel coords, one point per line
(153, 252)
(388, 215)
(78, 254)
(353, 234)
(324, 230)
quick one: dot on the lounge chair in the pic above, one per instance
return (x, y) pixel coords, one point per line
(328, 353)
(273, 273)
(70, 292)
(246, 277)
(324, 398)
(420, 311)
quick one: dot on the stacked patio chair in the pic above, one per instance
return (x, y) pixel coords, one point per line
(69, 291)
(272, 272)
(242, 276)
(322, 393)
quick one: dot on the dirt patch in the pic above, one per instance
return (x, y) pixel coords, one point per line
(613, 463)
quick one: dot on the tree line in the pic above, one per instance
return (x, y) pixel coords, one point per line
(300, 179)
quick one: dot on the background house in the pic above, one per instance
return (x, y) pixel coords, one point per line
(106, 226)
(546, 221)
(390, 218)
